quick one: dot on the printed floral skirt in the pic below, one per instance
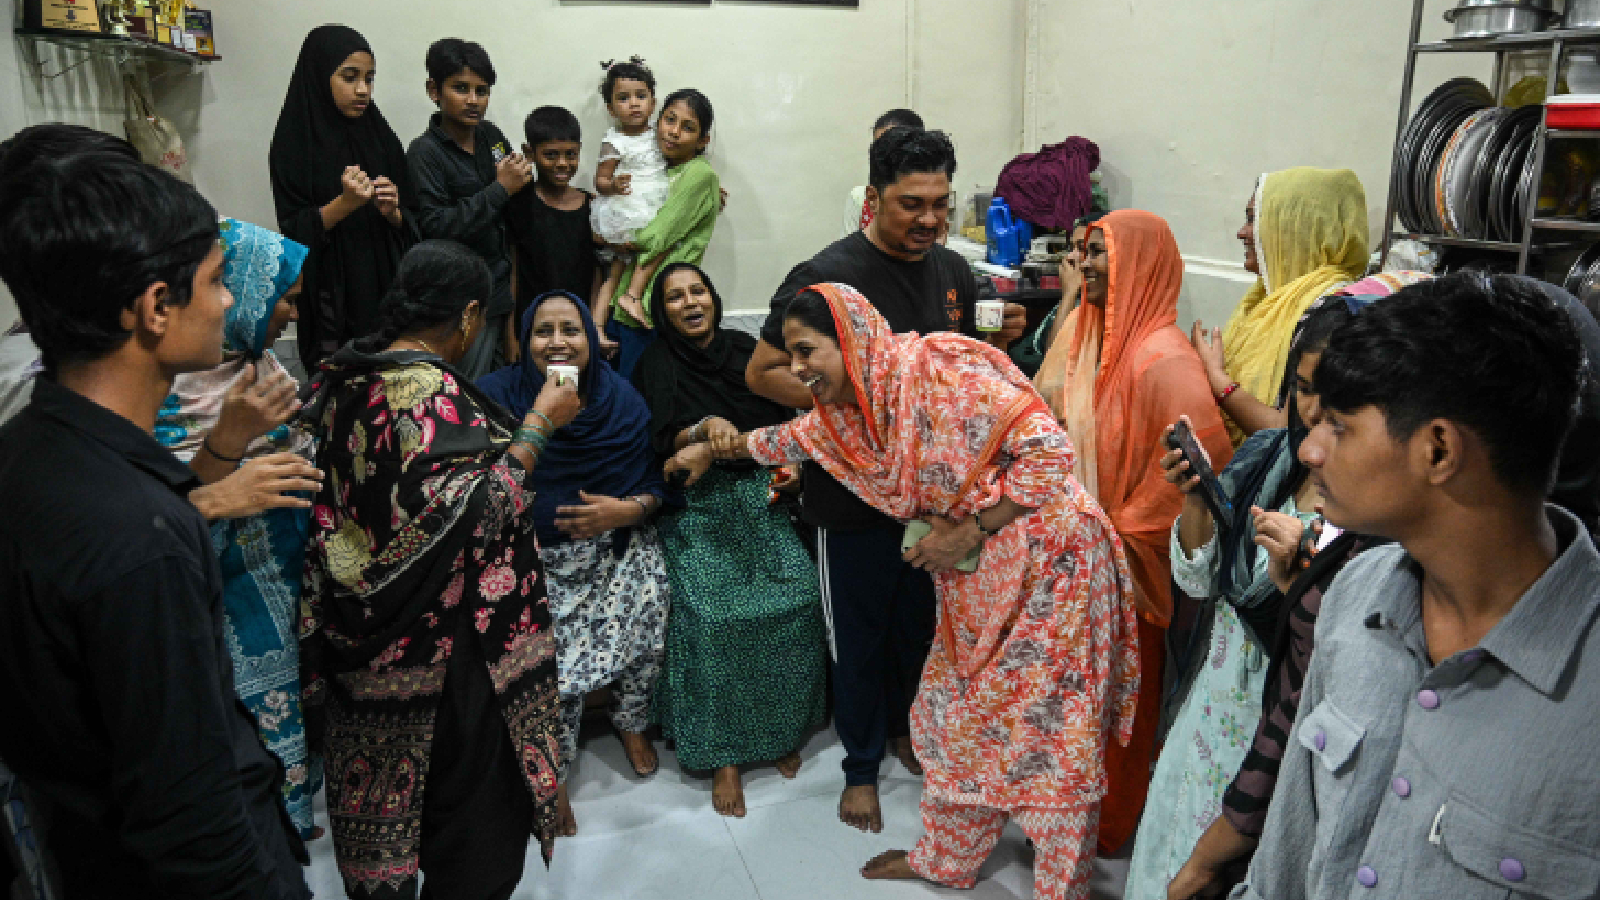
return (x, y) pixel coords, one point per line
(610, 608)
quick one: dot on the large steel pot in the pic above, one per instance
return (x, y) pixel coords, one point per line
(1582, 14)
(1495, 19)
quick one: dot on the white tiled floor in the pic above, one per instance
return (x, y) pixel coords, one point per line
(659, 839)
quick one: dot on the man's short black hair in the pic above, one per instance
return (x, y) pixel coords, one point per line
(83, 236)
(898, 118)
(58, 140)
(1489, 353)
(551, 123)
(452, 56)
(910, 151)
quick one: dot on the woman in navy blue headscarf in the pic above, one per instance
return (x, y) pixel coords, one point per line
(598, 488)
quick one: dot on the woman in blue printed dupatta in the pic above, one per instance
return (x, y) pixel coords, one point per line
(261, 556)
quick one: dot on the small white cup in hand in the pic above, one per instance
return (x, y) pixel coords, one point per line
(564, 374)
(991, 315)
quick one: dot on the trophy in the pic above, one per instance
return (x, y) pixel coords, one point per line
(116, 17)
(61, 15)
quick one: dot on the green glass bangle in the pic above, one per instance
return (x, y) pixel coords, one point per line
(531, 434)
(551, 425)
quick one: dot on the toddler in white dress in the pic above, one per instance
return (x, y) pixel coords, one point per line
(631, 179)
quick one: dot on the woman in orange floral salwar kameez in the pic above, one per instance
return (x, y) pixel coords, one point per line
(1034, 664)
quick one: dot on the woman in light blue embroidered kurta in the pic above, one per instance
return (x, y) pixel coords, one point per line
(1221, 691)
(262, 556)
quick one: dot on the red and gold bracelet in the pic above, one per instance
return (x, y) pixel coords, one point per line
(1227, 392)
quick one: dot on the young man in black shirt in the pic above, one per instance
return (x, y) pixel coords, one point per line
(115, 683)
(466, 172)
(880, 610)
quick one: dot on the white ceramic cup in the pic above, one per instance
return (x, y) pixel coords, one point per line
(564, 373)
(991, 315)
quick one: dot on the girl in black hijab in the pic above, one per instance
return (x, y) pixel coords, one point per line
(340, 185)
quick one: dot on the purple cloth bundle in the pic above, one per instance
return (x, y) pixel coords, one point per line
(1051, 188)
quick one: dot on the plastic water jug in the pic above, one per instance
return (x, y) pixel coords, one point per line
(1009, 236)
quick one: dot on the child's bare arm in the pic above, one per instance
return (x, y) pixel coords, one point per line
(605, 174)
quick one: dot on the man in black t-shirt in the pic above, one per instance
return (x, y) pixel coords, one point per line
(880, 610)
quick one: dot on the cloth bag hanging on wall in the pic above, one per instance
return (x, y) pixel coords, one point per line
(155, 138)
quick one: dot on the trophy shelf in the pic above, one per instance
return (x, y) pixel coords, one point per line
(111, 46)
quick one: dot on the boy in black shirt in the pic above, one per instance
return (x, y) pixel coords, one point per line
(553, 245)
(116, 687)
(466, 173)
(880, 609)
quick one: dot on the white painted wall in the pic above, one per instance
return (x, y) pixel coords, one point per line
(1191, 102)
(1188, 101)
(795, 87)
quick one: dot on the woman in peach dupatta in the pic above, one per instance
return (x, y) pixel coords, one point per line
(1032, 667)
(1118, 373)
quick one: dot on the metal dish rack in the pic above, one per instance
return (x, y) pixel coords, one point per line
(1557, 41)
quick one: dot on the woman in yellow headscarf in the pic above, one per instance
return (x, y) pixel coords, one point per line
(1305, 235)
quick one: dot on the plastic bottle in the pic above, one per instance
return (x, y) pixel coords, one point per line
(1005, 246)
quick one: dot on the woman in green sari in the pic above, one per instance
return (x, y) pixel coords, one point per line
(744, 676)
(681, 230)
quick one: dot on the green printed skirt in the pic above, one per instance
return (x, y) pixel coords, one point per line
(744, 679)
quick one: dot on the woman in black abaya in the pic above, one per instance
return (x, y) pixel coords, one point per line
(340, 185)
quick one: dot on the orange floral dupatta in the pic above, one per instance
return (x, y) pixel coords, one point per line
(1116, 402)
(934, 413)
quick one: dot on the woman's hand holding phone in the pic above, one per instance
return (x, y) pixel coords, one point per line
(1174, 468)
(1196, 525)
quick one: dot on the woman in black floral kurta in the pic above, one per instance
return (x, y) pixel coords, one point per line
(428, 645)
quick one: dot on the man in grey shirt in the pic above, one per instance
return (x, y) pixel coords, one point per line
(1446, 741)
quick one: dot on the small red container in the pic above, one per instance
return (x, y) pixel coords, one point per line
(1575, 111)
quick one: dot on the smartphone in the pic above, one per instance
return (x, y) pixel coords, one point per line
(1181, 438)
(918, 529)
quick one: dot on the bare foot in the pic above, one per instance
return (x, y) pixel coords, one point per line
(889, 864)
(788, 765)
(641, 753)
(908, 757)
(566, 822)
(317, 831)
(727, 793)
(858, 807)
